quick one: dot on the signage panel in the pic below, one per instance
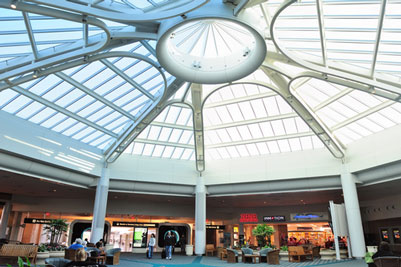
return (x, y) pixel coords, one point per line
(248, 217)
(216, 227)
(38, 221)
(278, 218)
(135, 224)
(309, 216)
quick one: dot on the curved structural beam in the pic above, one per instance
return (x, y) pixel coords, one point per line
(19, 66)
(180, 9)
(282, 89)
(331, 72)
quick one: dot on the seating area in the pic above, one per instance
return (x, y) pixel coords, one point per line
(248, 255)
(299, 253)
(9, 253)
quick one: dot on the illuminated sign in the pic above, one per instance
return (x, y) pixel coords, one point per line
(248, 217)
(135, 224)
(274, 218)
(38, 221)
(216, 227)
(309, 216)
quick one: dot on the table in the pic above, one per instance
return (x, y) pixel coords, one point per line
(253, 257)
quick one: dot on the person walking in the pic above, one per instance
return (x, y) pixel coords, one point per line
(152, 243)
(169, 242)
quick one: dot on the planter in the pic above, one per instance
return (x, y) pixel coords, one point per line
(41, 256)
(283, 255)
(56, 254)
(327, 254)
(189, 250)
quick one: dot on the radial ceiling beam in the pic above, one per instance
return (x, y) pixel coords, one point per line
(172, 126)
(64, 111)
(260, 140)
(93, 94)
(28, 27)
(199, 138)
(378, 36)
(332, 99)
(148, 47)
(136, 127)
(127, 78)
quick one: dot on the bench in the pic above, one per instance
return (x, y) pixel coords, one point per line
(387, 261)
(9, 253)
(298, 253)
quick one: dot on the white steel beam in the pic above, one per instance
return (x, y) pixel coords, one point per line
(378, 37)
(362, 115)
(64, 111)
(319, 6)
(172, 125)
(247, 122)
(127, 78)
(93, 94)
(260, 140)
(30, 34)
(239, 100)
(199, 138)
(332, 99)
(163, 143)
(132, 17)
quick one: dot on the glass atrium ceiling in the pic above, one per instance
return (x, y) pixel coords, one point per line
(95, 77)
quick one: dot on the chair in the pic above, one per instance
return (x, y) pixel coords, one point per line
(232, 256)
(57, 262)
(113, 256)
(387, 261)
(70, 254)
(210, 249)
(297, 254)
(316, 252)
(263, 254)
(273, 257)
(246, 251)
(93, 251)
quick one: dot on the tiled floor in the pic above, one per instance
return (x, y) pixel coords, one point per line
(139, 260)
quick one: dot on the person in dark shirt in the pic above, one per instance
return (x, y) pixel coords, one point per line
(169, 242)
(384, 250)
(100, 244)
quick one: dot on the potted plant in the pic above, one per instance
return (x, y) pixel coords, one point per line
(263, 232)
(283, 253)
(56, 228)
(43, 254)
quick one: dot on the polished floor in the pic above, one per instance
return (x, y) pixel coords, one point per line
(139, 260)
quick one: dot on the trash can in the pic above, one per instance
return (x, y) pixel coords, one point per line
(189, 250)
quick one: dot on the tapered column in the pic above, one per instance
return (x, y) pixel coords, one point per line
(99, 210)
(4, 219)
(200, 216)
(353, 213)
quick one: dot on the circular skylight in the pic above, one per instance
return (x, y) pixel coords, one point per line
(211, 50)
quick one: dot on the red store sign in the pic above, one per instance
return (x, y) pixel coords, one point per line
(248, 217)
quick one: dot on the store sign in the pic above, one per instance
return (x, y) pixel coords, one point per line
(274, 218)
(312, 216)
(135, 224)
(216, 227)
(248, 217)
(38, 221)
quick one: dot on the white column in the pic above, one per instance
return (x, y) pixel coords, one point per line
(200, 216)
(352, 209)
(99, 210)
(4, 219)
